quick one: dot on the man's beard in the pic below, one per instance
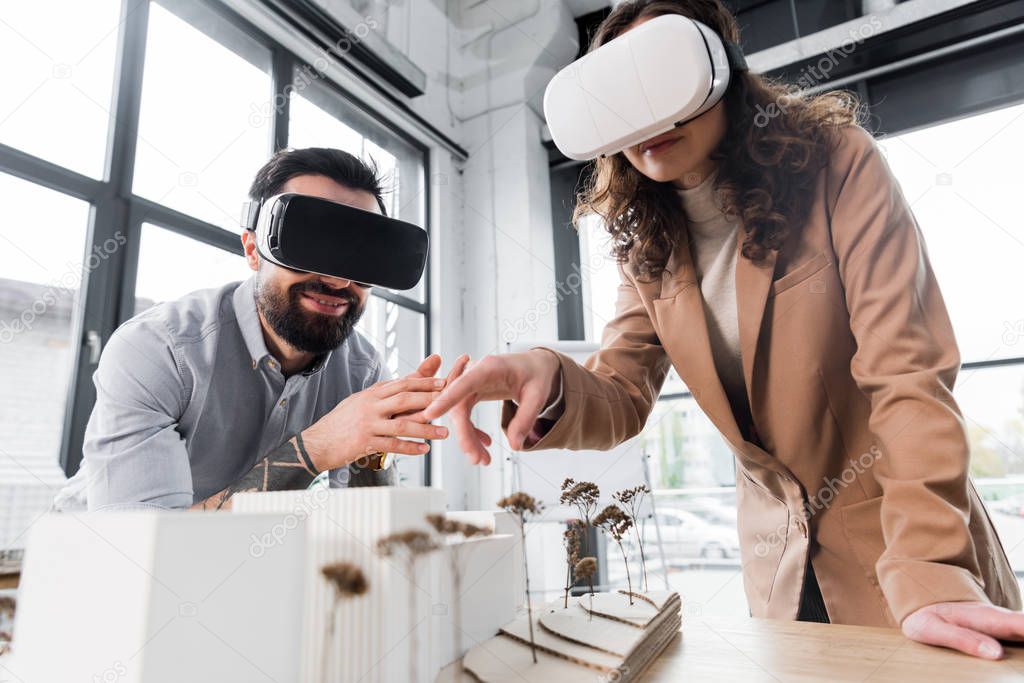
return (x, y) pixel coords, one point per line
(305, 330)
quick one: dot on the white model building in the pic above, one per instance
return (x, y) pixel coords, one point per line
(377, 633)
(168, 596)
(147, 597)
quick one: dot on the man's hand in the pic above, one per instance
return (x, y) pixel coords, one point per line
(374, 420)
(970, 627)
(531, 379)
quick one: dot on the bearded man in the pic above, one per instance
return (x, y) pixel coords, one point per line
(259, 385)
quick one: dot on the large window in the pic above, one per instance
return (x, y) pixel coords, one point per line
(161, 276)
(58, 79)
(961, 184)
(129, 134)
(198, 145)
(42, 247)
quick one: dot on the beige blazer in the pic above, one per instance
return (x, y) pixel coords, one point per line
(849, 358)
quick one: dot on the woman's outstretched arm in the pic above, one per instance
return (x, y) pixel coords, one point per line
(605, 401)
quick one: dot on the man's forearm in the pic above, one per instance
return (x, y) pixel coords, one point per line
(287, 468)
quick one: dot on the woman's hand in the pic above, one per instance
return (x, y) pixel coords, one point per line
(531, 379)
(970, 627)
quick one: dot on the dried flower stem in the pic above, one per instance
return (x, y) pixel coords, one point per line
(585, 569)
(632, 502)
(571, 539)
(616, 523)
(522, 504)
(410, 545)
(348, 581)
(450, 528)
(584, 496)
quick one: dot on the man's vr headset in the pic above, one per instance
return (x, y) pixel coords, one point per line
(319, 236)
(657, 76)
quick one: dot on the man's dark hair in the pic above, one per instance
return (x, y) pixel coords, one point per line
(341, 167)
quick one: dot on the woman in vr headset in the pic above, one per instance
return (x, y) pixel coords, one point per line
(767, 253)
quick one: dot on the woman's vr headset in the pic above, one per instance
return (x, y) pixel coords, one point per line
(657, 76)
(319, 236)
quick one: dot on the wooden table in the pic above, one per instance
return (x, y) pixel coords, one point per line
(755, 650)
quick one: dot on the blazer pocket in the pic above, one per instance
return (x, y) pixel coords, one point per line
(805, 270)
(763, 525)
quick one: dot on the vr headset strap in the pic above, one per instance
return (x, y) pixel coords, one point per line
(737, 62)
(250, 214)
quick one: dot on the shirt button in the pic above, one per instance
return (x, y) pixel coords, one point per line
(283, 402)
(254, 363)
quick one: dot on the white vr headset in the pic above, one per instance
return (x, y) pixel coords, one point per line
(657, 76)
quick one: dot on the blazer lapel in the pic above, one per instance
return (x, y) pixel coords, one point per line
(680, 309)
(753, 283)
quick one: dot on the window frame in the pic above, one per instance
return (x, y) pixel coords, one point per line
(108, 293)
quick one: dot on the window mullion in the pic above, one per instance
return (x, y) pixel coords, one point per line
(108, 230)
(280, 98)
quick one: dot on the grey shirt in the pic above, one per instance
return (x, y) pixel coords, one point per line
(188, 400)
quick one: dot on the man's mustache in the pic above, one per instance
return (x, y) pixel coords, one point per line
(317, 287)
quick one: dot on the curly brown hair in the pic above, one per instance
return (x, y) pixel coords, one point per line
(767, 165)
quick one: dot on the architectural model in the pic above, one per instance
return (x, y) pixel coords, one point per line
(364, 584)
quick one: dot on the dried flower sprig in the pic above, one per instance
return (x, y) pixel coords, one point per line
(348, 581)
(452, 528)
(409, 545)
(616, 523)
(413, 543)
(523, 505)
(583, 495)
(632, 501)
(571, 540)
(586, 568)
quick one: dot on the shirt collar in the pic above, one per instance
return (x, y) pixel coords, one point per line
(244, 300)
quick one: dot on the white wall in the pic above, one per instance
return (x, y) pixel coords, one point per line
(502, 54)
(486, 64)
